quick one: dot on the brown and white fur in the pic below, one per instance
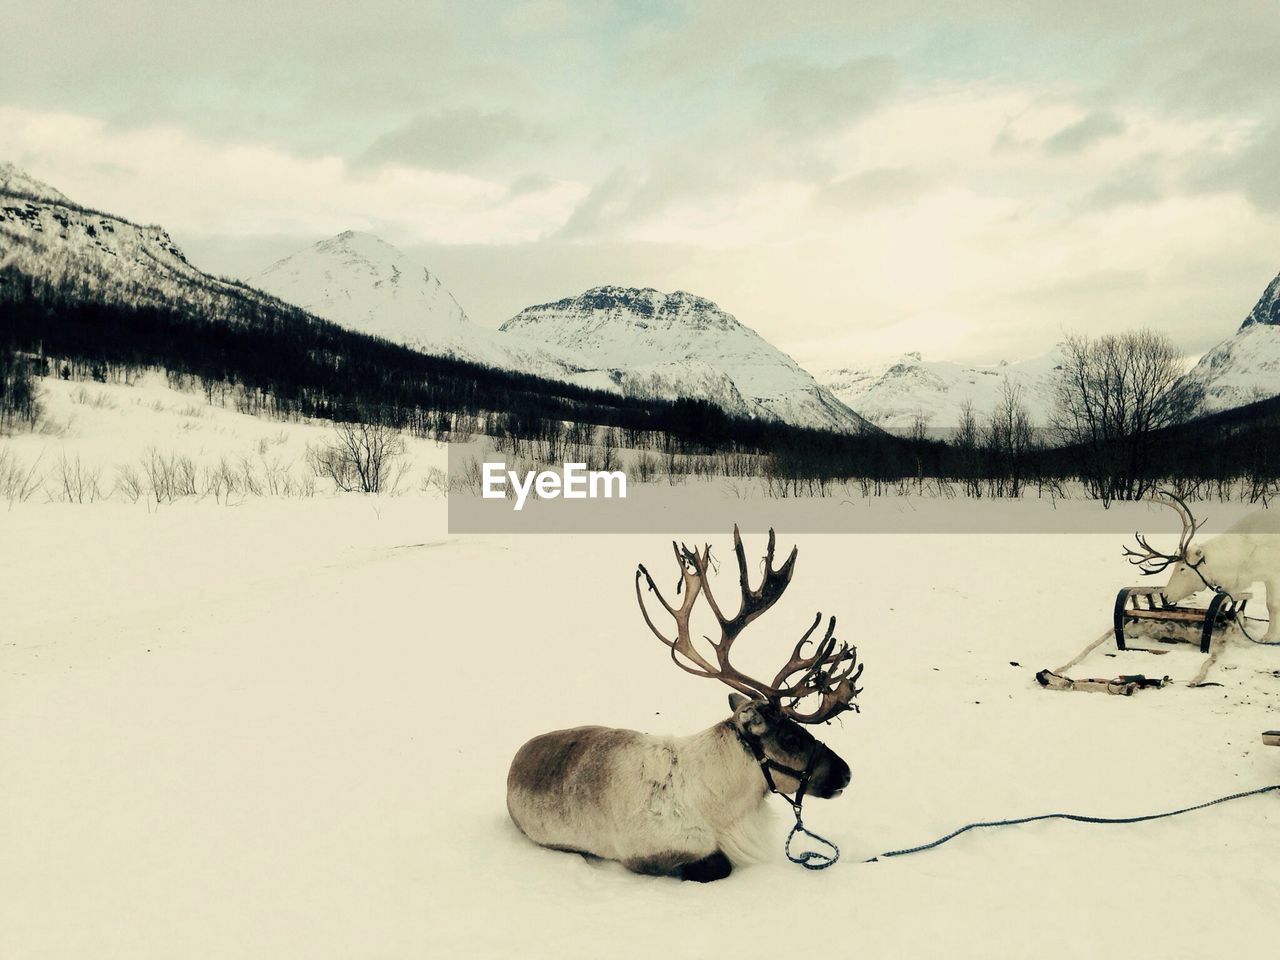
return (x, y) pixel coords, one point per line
(689, 807)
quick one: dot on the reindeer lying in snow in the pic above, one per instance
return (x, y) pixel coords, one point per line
(1234, 561)
(690, 807)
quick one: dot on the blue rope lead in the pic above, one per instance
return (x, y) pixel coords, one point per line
(1070, 816)
(811, 859)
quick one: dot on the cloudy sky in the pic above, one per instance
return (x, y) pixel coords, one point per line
(967, 178)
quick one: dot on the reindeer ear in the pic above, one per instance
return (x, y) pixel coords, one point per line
(1195, 553)
(736, 700)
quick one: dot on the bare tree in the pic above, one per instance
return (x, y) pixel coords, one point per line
(919, 435)
(76, 483)
(1007, 441)
(363, 457)
(965, 443)
(1113, 394)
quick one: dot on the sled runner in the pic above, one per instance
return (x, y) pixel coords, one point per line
(1141, 613)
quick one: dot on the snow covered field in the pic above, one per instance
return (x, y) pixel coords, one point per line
(281, 728)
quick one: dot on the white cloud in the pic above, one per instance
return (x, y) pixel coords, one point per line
(163, 173)
(986, 247)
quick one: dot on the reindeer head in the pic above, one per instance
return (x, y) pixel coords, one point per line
(1187, 577)
(795, 758)
(768, 717)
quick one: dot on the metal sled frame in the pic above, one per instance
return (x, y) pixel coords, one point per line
(1136, 605)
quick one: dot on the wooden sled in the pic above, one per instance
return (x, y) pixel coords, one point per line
(1141, 612)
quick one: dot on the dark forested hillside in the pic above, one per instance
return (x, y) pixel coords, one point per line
(277, 359)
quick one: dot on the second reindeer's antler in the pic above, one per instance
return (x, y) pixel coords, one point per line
(1151, 561)
(830, 671)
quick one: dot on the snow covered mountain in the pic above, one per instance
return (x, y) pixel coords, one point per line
(363, 283)
(678, 344)
(893, 395)
(15, 182)
(367, 285)
(641, 342)
(1246, 366)
(637, 342)
(54, 241)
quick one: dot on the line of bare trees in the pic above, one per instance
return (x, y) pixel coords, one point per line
(994, 454)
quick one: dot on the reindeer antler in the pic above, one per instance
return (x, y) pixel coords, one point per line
(1150, 560)
(831, 670)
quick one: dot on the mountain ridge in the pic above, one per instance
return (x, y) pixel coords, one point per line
(644, 335)
(1245, 367)
(636, 341)
(1266, 312)
(894, 395)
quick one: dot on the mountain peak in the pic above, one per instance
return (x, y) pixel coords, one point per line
(1246, 366)
(16, 181)
(358, 238)
(368, 246)
(680, 344)
(894, 396)
(360, 281)
(638, 307)
(1267, 310)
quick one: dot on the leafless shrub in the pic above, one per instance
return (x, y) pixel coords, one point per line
(129, 483)
(73, 482)
(299, 486)
(468, 477)
(677, 468)
(435, 481)
(264, 477)
(184, 477)
(18, 482)
(97, 399)
(645, 468)
(363, 457)
(168, 477)
(251, 483)
(220, 481)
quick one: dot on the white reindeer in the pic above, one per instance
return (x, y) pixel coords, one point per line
(1245, 554)
(690, 807)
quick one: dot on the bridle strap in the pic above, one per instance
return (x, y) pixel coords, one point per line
(768, 766)
(809, 859)
(1203, 579)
